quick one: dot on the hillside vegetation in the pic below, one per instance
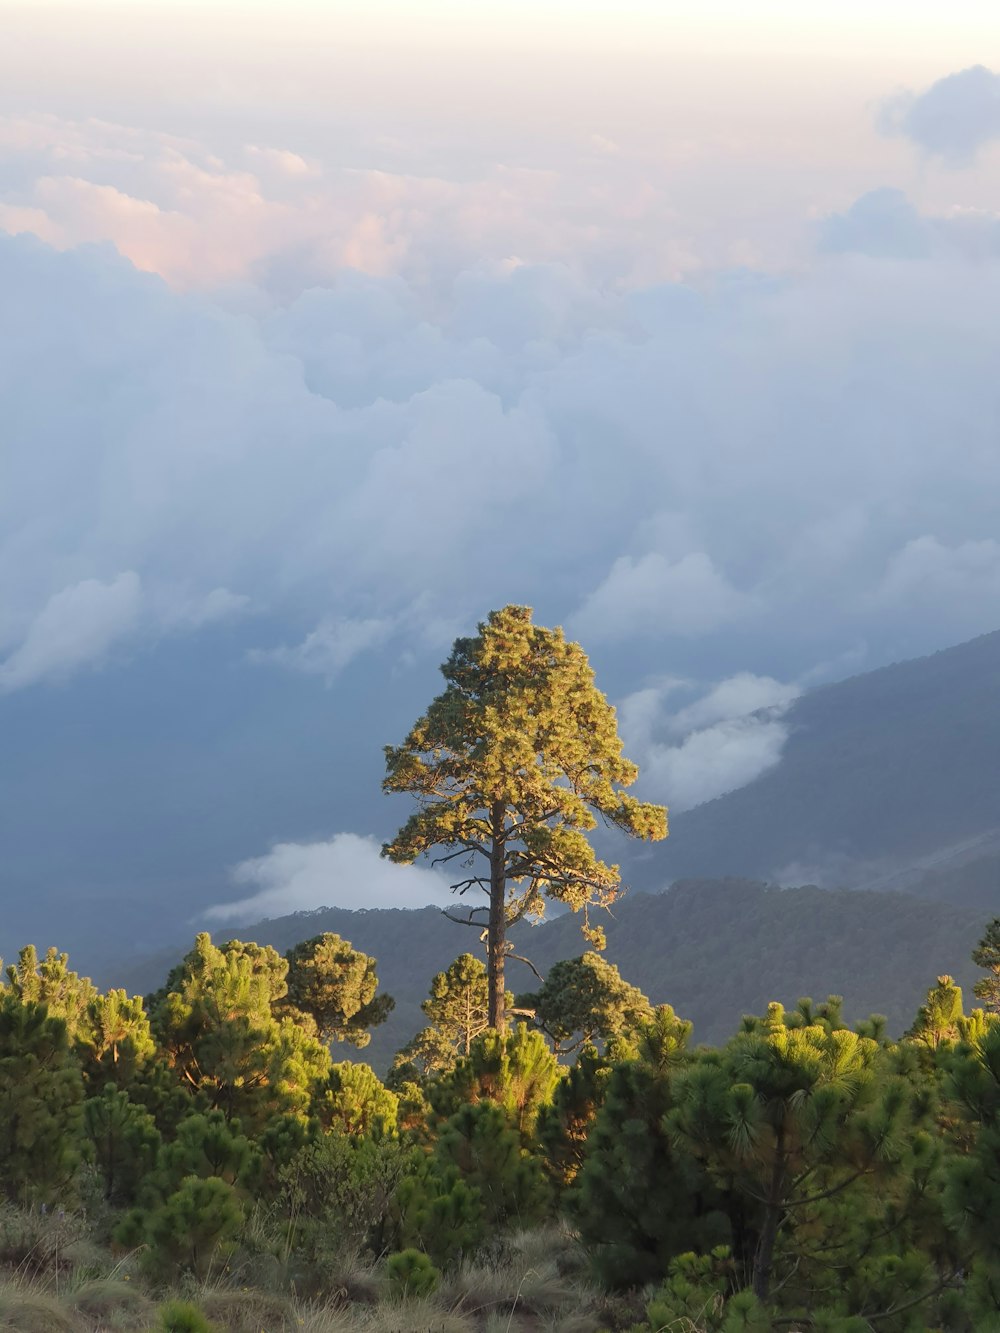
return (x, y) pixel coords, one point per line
(714, 949)
(203, 1162)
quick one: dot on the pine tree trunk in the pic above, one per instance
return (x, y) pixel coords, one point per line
(496, 938)
(773, 1210)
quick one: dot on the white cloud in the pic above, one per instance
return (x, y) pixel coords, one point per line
(77, 627)
(328, 648)
(653, 597)
(884, 224)
(734, 698)
(178, 612)
(401, 373)
(749, 457)
(281, 160)
(344, 871)
(717, 759)
(722, 740)
(81, 625)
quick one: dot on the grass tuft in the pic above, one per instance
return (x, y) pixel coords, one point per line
(247, 1311)
(101, 1297)
(32, 1311)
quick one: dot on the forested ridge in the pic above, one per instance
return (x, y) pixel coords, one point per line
(716, 949)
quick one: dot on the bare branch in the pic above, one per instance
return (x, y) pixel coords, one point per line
(528, 963)
(469, 848)
(474, 881)
(466, 920)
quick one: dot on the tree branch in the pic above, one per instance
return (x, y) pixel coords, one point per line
(467, 920)
(528, 963)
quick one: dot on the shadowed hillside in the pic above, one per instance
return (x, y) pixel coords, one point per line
(713, 949)
(880, 774)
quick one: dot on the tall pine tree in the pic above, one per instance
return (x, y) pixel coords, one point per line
(510, 768)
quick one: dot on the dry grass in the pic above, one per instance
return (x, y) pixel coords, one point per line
(34, 1243)
(415, 1316)
(327, 1319)
(581, 1321)
(523, 1288)
(56, 1280)
(350, 1280)
(246, 1310)
(30, 1310)
(109, 1300)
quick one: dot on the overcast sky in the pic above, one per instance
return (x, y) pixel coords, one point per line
(325, 328)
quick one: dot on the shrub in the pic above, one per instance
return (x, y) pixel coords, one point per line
(190, 1228)
(411, 1273)
(436, 1210)
(182, 1317)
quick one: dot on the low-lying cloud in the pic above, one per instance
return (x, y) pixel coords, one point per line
(719, 741)
(344, 871)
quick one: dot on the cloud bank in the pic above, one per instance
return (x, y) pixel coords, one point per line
(743, 464)
(345, 871)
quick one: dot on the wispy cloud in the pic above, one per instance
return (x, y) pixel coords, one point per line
(721, 740)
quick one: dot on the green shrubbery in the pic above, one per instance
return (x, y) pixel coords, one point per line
(411, 1273)
(803, 1173)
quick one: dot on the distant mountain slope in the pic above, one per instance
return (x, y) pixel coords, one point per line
(879, 772)
(713, 949)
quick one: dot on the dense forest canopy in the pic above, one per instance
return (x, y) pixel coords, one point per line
(209, 1145)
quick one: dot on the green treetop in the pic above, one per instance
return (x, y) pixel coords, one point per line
(939, 1020)
(50, 982)
(784, 1117)
(335, 984)
(216, 1025)
(510, 767)
(458, 1009)
(585, 999)
(986, 955)
(458, 1004)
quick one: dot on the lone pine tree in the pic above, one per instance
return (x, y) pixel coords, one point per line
(510, 767)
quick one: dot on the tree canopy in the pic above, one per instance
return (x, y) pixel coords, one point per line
(335, 985)
(586, 999)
